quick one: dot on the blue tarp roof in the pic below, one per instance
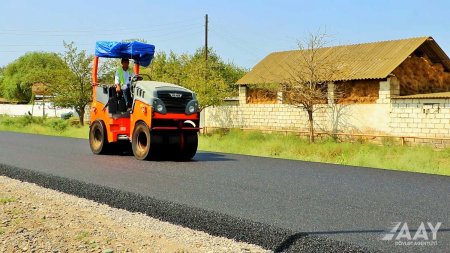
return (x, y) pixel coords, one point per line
(142, 53)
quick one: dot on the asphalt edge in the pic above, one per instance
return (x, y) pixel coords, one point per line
(213, 223)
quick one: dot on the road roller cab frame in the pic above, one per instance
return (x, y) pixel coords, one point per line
(163, 121)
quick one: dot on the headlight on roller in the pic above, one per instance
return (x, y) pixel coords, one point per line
(159, 106)
(192, 107)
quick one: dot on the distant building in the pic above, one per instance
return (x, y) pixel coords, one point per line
(417, 65)
(398, 87)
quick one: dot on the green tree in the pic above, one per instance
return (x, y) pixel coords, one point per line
(167, 67)
(35, 67)
(228, 71)
(2, 69)
(76, 90)
(206, 80)
(107, 69)
(212, 81)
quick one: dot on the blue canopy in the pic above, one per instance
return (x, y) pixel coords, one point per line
(140, 52)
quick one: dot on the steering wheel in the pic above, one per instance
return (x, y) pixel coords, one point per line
(140, 77)
(136, 78)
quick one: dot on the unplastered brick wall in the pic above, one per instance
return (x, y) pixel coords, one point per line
(367, 118)
(420, 117)
(356, 118)
(392, 116)
(273, 116)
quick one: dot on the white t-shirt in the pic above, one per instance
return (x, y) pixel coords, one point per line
(126, 78)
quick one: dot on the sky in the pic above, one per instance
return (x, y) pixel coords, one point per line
(242, 32)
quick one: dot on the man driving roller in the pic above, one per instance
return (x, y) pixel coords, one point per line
(122, 81)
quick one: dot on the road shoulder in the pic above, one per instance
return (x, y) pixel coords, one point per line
(39, 219)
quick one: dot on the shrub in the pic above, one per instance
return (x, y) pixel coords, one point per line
(221, 132)
(57, 124)
(74, 121)
(8, 122)
(24, 120)
(388, 141)
(275, 150)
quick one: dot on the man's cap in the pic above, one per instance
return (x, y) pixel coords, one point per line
(124, 59)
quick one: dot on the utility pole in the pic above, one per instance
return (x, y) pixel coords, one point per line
(206, 46)
(206, 37)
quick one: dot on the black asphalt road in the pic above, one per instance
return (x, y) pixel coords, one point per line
(342, 203)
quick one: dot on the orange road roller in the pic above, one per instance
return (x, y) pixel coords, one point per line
(161, 121)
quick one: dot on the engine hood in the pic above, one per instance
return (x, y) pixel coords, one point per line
(154, 86)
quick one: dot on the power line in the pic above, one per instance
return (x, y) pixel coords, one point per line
(181, 36)
(163, 25)
(253, 34)
(236, 45)
(69, 33)
(163, 37)
(181, 31)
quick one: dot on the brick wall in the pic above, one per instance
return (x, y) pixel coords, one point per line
(369, 118)
(37, 110)
(420, 117)
(392, 116)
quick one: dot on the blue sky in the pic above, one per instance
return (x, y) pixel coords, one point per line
(243, 32)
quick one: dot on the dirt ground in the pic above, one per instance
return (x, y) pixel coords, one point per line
(35, 219)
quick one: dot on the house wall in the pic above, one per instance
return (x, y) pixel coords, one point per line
(420, 117)
(367, 118)
(37, 110)
(397, 117)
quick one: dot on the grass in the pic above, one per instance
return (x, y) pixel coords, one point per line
(7, 200)
(389, 155)
(44, 126)
(423, 159)
(82, 235)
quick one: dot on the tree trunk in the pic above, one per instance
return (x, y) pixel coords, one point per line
(81, 112)
(311, 126)
(82, 117)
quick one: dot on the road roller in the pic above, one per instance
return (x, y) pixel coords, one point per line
(162, 121)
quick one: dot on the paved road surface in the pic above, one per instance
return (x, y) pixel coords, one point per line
(350, 204)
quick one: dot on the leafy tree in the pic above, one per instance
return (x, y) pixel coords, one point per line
(76, 90)
(212, 81)
(36, 67)
(167, 67)
(228, 71)
(2, 69)
(206, 80)
(107, 69)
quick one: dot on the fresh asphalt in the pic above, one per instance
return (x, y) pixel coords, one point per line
(279, 204)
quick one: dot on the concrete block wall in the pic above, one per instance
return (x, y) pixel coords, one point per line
(242, 95)
(392, 116)
(275, 116)
(388, 89)
(420, 117)
(372, 118)
(37, 110)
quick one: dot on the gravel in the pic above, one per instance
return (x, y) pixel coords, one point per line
(36, 219)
